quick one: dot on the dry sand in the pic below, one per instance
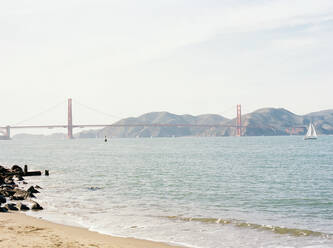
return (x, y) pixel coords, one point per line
(18, 230)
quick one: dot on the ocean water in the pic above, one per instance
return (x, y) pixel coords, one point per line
(196, 192)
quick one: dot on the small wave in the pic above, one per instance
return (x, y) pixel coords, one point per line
(276, 229)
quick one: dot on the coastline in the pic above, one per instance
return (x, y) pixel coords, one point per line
(20, 230)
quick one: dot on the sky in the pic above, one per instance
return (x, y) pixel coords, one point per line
(124, 58)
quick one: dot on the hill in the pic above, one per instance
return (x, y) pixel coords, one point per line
(165, 131)
(22, 136)
(265, 121)
(279, 121)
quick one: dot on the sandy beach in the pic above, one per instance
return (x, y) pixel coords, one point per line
(19, 230)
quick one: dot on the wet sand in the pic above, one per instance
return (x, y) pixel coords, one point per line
(19, 230)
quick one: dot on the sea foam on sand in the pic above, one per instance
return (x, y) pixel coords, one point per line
(20, 230)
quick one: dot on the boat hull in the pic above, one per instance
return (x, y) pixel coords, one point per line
(310, 138)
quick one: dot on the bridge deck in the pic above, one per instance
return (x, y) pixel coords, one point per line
(136, 125)
(122, 125)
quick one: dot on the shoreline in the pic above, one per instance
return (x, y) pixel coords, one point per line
(21, 230)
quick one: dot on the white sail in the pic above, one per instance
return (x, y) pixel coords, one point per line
(311, 133)
(314, 133)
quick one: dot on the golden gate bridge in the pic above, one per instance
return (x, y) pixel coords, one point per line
(6, 130)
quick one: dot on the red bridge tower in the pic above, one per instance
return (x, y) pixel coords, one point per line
(70, 119)
(239, 121)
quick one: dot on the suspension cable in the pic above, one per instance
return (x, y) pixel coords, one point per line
(97, 110)
(40, 113)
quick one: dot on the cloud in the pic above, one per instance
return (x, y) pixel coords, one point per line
(147, 29)
(177, 43)
(297, 43)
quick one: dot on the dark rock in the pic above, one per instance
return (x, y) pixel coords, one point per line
(9, 180)
(2, 199)
(18, 197)
(36, 206)
(11, 206)
(7, 187)
(7, 192)
(19, 177)
(3, 170)
(31, 189)
(22, 207)
(3, 210)
(17, 169)
(94, 188)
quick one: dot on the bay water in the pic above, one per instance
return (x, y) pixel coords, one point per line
(195, 192)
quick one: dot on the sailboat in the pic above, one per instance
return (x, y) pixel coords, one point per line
(311, 134)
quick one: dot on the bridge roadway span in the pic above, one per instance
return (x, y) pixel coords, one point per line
(121, 125)
(6, 132)
(142, 125)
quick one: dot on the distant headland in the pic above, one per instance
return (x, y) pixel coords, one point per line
(262, 122)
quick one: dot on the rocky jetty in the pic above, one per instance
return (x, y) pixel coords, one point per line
(15, 194)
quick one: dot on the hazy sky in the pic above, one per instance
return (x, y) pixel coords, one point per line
(126, 57)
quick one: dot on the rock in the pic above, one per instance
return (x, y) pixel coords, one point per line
(7, 192)
(18, 197)
(2, 199)
(7, 187)
(9, 181)
(17, 169)
(94, 188)
(3, 210)
(36, 206)
(11, 206)
(19, 178)
(32, 190)
(3, 170)
(22, 207)
(21, 194)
